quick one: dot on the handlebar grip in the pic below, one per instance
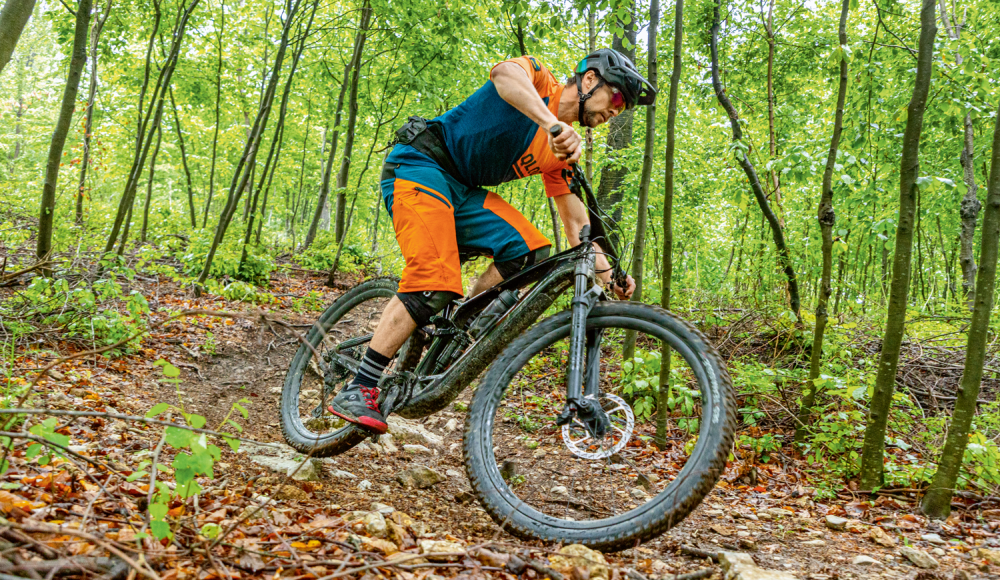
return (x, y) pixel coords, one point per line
(555, 130)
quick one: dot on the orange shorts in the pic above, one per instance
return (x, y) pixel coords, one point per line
(437, 219)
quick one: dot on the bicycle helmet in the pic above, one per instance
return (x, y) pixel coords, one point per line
(614, 68)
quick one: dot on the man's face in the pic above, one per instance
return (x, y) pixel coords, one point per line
(605, 103)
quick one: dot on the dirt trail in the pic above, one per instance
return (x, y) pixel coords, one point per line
(249, 363)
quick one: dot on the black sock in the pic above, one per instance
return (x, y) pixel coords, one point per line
(371, 368)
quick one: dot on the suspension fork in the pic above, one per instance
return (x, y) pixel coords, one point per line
(584, 349)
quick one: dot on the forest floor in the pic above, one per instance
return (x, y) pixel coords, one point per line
(311, 530)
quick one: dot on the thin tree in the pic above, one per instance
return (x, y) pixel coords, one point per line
(13, 17)
(248, 160)
(827, 218)
(909, 170)
(149, 121)
(609, 190)
(352, 118)
(639, 246)
(969, 206)
(149, 191)
(323, 204)
(88, 124)
(77, 61)
(743, 158)
(937, 502)
(184, 161)
(663, 391)
(772, 141)
(218, 101)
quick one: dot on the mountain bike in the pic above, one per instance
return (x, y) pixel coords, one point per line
(560, 442)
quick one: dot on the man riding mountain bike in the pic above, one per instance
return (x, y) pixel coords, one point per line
(433, 187)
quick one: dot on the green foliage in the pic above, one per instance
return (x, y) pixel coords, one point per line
(226, 264)
(323, 251)
(195, 457)
(313, 301)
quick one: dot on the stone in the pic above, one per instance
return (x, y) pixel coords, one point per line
(340, 474)
(779, 512)
(290, 492)
(453, 473)
(961, 575)
(920, 559)
(855, 527)
(932, 539)
(559, 490)
(419, 477)
(939, 552)
(714, 513)
(451, 425)
(412, 432)
(835, 523)
(382, 508)
(991, 556)
(721, 530)
(305, 471)
(387, 443)
(397, 533)
(375, 524)
(814, 543)
(441, 550)
(638, 493)
(878, 535)
(740, 566)
(365, 485)
(385, 546)
(464, 496)
(414, 449)
(56, 375)
(863, 560)
(577, 555)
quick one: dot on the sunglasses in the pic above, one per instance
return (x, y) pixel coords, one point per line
(617, 99)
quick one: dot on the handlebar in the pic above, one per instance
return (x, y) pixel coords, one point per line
(580, 185)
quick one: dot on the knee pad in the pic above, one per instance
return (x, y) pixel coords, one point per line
(423, 305)
(510, 267)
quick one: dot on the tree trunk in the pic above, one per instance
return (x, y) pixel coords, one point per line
(969, 211)
(639, 246)
(668, 227)
(885, 380)
(609, 190)
(827, 218)
(76, 63)
(772, 140)
(154, 112)
(352, 118)
(95, 34)
(323, 205)
(13, 17)
(149, 189)
(275, 151)
(218, 100)
(184, 162)
(937, 502)
(242, 175)
(743, 157)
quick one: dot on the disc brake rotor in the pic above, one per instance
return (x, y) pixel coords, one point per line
(579, 441)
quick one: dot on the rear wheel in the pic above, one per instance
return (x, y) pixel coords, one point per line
(540, 481)
(306, 423)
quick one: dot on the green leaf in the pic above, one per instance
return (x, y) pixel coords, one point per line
(157, 409)
(234, 444)
(171, 371)
(33, 450)
(160, 529)
(196, 421)
(211, 531)
(179, 438)
(158, 511)
(242, 410)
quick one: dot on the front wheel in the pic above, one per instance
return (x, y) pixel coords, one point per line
(540, 481)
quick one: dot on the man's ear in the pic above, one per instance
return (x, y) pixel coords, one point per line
(589, 80)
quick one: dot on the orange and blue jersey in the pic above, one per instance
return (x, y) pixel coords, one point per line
(435, 214)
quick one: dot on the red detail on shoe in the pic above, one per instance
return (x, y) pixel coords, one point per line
(366, 422)
(371, 397)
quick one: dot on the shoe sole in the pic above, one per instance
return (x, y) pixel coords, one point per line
(366, 422)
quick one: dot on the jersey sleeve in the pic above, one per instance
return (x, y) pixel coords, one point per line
(555, 185)
(540, 76)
